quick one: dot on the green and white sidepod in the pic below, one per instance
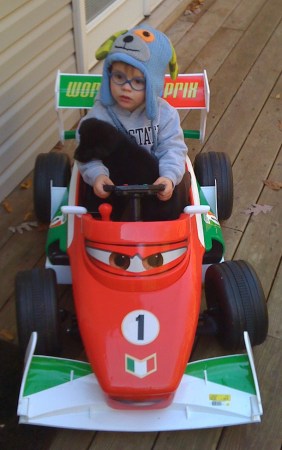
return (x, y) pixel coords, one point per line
(213, 392)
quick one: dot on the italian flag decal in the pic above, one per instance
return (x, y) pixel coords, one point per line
(141, 367)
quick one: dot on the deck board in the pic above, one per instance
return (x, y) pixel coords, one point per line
(255, 160)
(236, 68)
(238, 42)
(248, 101)
(193, 439)
(196, 38)
(263, 235)
(72, 439)
(274, 306)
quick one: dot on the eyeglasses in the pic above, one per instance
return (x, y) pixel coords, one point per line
(136, 83)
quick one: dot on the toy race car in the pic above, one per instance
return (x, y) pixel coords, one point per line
(137, 292)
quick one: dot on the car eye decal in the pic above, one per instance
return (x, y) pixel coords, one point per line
(119, 260)
(135, 264)
(153, 261)
(100, 255)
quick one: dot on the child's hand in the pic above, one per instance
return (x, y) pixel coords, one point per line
(98, 186)
(168, 190)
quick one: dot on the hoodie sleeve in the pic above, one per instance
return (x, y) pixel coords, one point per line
(171, 148)
(90, 171)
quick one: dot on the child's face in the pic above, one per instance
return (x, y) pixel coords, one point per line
(125, 96)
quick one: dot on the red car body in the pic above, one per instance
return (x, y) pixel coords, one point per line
(137, 291)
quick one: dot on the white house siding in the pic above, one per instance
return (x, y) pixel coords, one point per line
(36, 40)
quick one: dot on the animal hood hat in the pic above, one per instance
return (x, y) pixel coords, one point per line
(148, 50)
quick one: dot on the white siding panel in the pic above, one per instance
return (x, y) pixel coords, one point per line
(23, 20)
(25, 163)
(27, 134)
(32, 75)
(34, 43)
(7, 7)
(37, 124)
(27, 106)
(38, 40)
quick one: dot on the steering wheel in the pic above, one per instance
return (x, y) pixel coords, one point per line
(135, 189)
(135, 192)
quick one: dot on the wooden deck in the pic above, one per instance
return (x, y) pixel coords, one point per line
(239, 43)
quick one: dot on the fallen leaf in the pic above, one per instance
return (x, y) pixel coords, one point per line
(26, 184)
(278, 96)
(280, 124)
(28, 215)
(194, 7)
(6, 205)
(275, 185)
(255, 209)
(6, 335)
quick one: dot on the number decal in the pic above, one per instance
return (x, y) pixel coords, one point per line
(140, 320)
(140, 327)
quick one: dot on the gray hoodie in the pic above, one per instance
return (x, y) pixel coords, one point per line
(170, 148)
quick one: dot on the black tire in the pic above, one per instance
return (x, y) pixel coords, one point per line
(236, 300)
(212, 166)
(49, 166)
(37, 310)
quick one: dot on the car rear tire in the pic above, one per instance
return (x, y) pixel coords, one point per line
(236, 301)
(49, 166)
(213, 166)
(37, 310)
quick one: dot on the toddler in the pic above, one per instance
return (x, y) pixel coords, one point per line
(130, 99)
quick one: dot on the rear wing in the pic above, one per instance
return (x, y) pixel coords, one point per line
(187, 91)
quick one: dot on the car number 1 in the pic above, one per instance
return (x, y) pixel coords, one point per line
(140, 327)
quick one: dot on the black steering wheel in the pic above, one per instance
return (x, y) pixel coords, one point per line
(135, 192)
(131, 190)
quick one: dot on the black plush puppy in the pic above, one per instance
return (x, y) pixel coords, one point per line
(128, 163)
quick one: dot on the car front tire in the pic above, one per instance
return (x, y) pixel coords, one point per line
(37, 310)
(236, 301)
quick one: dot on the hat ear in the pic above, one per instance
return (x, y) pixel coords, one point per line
(105, 48)
(173, 66)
